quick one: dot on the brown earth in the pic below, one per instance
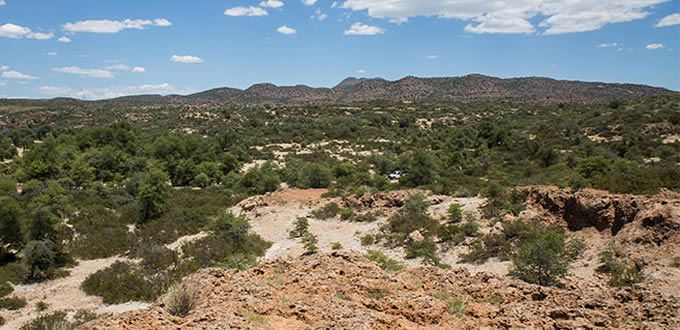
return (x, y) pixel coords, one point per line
(343, 290)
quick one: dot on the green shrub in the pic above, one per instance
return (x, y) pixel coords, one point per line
(619, 274)
(457, 232)
(336, 246)
(120, 283)
(412, 217)
(425, 249)
(301, 226)
(454, 305)
(15, 273)
(366, 217)
(178, 300)
(542, 259)
(386, 263)
(52, 321)
(5, 289)
(39, 257)
(41, 306)
(377, 293)
(12, 303)
(309, 241)
(455, 213)
(328, 211)
(368, 239)
(346, 214)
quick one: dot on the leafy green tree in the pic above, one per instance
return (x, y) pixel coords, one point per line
(81, 172)
(42, 225)
(202, 180)
(301, 226)
(184, 173)
(310, 240)
(39, 256)
(422, 168)
(542, 259)
(152, 195)
(315, 175)
(455, 213)
(10, 223)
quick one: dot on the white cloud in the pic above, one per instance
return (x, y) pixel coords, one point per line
(138, 69)
(286, 30)
(362, 71)
(655, 46)
(309, 2)
(359, 29)
(52, 54)
(11, 74)
(110, 26)
(607, 45)
(432, 57)
(14, 31)
(64, 39)
(186, 59)
(118, 67)
(2, 2)
(272, 4)
(246, 11)
(161, 22)
(109, 92)
(558, 16)
(90, 73)
(319, 15)
(4, 68)
(669, 20)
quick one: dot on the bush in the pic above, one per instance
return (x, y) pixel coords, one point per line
(425, 249)
(52, 321)
(5, 289)
(413, 216)
(346, 213)
(619, 274)
(456, 233)
(120, 283)
(315, 176)
(178, 300)
(301, 226)
(15, 273)
(386, 263)
(309, 240)
(39, 257)
(454, 305)
(542, 259)
(152, 195)
(368, 239)
(455, 212)
(328, 211)
(336, 246)
(12, 303)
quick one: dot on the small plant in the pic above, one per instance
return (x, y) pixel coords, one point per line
(52, 321)
(386, 263)
(425, 249)
(346, 214)
(676, 262)
(309, 240)
(495, 299)
(301, 226)
(454, 305)
(619, 274)
(179, 300)
(455, 213)
(41, 306)
(12, 303)
(5, 289)
(328, 211)
(336, 246)
(258, 319)
(368, 239)
(542, 259)
(377, 293)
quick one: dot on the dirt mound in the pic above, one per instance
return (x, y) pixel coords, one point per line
(345, 291)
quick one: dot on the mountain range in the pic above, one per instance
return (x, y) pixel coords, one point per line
(467, 88)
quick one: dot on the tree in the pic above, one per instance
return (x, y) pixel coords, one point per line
(542, 259)
(81, 172)
(315, 176)
(39, 256)
(42, 225)
(152, 195)
(10, 223)
(309, 240)
(422, 168)
(455, 213)
(202, 180)
(300, 228)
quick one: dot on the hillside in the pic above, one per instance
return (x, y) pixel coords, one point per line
(467, 88)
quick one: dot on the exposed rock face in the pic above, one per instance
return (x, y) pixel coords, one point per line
(648, 228)
(345, 291)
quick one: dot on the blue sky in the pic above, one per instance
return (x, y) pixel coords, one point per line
(96, 49)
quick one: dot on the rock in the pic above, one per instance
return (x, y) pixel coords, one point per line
(416, 236)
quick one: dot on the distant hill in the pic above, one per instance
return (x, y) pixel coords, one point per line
(472, 87)
(467, 88)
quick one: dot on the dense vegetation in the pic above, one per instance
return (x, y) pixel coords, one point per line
(94, 180)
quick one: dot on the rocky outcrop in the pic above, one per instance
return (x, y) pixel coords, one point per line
(346, 291)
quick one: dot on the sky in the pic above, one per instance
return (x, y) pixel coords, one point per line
(92, 49)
